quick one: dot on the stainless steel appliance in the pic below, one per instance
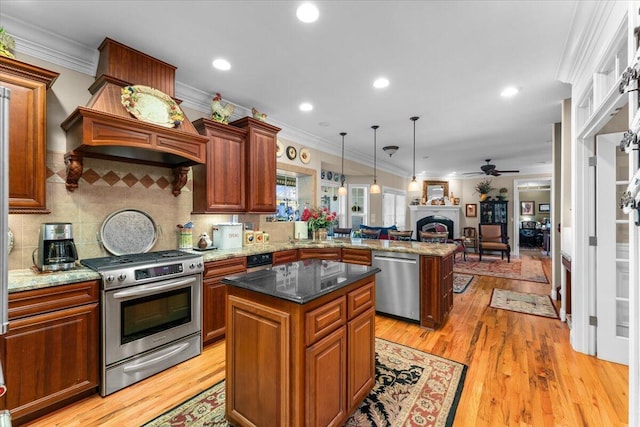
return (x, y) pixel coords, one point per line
(56, 249)
(5, 94)
(259, 262)
(397, 284)
(150, 314)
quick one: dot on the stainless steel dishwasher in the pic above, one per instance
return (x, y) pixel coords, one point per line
(398, 284)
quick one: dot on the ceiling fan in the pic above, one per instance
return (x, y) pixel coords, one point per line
(490, 169)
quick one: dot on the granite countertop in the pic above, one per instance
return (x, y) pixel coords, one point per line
(26, 279)
(302, 281)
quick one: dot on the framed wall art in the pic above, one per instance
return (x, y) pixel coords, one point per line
(471, 210)
(528, 208)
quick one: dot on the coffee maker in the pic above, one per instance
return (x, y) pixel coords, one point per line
(56, 250)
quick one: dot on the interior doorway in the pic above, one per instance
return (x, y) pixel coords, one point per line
(532, 215)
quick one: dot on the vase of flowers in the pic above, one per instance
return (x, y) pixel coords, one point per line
(317, 220)
(483, 188)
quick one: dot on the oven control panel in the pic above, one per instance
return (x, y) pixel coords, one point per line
(164, 270)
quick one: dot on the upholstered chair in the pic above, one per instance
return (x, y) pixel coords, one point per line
(491, 239)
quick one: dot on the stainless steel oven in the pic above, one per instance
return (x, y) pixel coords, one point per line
(151, 305)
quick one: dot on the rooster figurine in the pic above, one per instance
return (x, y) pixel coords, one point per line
(258, 115)
(221, 113)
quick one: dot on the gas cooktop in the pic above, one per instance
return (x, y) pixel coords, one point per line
(130, 260)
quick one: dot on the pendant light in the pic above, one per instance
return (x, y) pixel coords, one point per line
(375, 188)
(414, 186)
(342, 191)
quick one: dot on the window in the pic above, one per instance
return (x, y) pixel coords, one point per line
(287, 198)
(394, 208)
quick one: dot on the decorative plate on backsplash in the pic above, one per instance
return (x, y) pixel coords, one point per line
(128, 231)
(11, 241)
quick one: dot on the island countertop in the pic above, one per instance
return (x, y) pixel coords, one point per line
(302, 281)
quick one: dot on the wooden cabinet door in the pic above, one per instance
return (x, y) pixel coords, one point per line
(361, 361)
(260, 164)
(27, 134)
(258, 364)
(356, 256)
(431, 291)
(214, 296)
(49, 358)
(220, 184)
(284, 257)
(326, 373)
(332, 254)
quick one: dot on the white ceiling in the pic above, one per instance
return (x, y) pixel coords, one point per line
(447, 62)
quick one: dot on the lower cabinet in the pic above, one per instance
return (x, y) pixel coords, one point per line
(314, 375)
(332, 254)
(214, 296)
(436, 289)
(50, 354)
(284, 257)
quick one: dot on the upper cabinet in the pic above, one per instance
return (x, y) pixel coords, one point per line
(261, 164)
(219, 185)
(27, 134)
(240, 173)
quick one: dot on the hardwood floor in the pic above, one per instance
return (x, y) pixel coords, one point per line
(522, 371)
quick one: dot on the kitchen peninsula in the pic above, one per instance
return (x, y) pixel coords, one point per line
(300, 343)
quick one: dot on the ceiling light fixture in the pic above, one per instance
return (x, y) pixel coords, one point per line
(342, 191)
(221, 64)
(305, 106)
(509, 92)
(307, 13)
(390, 149)
(375, 188)
(381, 83)
(413, 185)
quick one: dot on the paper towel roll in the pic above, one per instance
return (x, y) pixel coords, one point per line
(300, 230)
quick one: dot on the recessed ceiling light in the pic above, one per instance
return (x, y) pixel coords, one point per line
(380, 83)
(221, 64)
(509, 91)
(307, 13)
(305, 106)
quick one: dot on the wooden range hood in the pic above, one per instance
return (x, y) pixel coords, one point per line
(104, 129)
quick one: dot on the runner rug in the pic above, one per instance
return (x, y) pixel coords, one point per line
(461, 282)
(522, 268)
(539, 305)
(412, 388)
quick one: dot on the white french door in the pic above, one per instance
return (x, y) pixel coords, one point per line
(612, 260)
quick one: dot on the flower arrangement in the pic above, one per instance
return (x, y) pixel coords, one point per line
(7, 44)
(484, 186)
(318, 218)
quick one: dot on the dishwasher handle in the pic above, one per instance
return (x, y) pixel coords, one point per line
(395, 259)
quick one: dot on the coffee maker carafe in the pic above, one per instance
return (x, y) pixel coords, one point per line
(56, 250)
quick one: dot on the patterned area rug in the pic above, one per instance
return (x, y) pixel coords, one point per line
(539, 305)
(461, 281)
(523, 268)
(413, 388)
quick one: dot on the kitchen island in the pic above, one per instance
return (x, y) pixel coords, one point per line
(300, 343)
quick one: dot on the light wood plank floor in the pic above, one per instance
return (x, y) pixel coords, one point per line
(522, 371)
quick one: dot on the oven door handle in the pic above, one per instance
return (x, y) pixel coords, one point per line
(169, 352)
(144, 290)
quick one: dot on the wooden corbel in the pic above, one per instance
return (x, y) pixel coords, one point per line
(180, 175)
(74, 170)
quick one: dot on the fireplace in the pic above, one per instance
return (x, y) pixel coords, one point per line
(450, 212)
(435, 223)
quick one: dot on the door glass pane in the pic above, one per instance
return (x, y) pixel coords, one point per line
(622, 318)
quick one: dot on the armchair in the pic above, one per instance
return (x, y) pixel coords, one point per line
(491, 239)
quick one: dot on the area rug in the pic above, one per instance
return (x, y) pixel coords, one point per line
(460, 282)
(539, 305)
(412, 388)
(522, 268)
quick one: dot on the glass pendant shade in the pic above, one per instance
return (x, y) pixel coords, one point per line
(342, 191)
(414, 185)
(375, 188)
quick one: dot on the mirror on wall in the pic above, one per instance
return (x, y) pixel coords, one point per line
(434, 190)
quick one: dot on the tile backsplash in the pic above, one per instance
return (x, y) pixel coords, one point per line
(106, 187)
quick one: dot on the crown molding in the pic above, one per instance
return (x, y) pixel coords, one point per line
(67, 53)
